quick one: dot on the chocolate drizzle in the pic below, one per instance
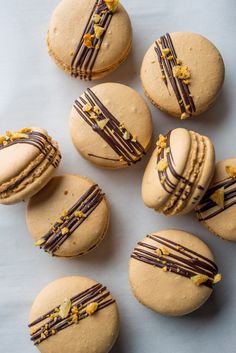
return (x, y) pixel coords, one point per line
(84, 58)
(180, 89)
(208, 209)
(52, 323)
(130, 150)
(167, 175)
(87, 203)
(38, 140)
(188, 265)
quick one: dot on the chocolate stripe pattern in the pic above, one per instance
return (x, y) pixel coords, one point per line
(128, 150)
(208, 209)
(85, 56)
(166, 63)
(52, 322)
(73, 218)
(183, 261)
(38, 140)
(169, 176)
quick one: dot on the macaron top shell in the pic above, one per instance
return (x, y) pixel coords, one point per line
(49, 217)
(127, 133)
(217, 209)
(180, 169)
(28, 158)
(92, 333)
(157, 280)
(66, 31)
(205, 73)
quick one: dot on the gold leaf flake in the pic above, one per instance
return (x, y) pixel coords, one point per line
(162, 165)
(199, 279)
(181, 72)
(231, 171)
(162, 141)
(98, 30)
(40, 242)
(219, 197)
(96, 18)
(97, 110)
(165, 251)
(184, 116)
(79, 214)
(64, 231)
(165, 51)
(91, 308)
(112, 4)
(126, 135)
(164, 269)
(217, 278)
(86, 108)
(64, 308)
(88, 40)
(102, 123)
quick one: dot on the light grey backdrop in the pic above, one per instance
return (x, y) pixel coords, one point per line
(33, 91)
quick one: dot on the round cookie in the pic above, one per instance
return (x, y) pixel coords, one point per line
(172, 272)
(111, 125)
(28, 159)
(217, 209)
(74, 314)
(89, 39)
(69, 217)
(182, 74)
(179, 172)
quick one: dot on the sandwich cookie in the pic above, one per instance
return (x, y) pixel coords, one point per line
(69, 217)
(182, 74)
(28, 158)
(217, 209)
(111, 125)
(74, 314)
(179, 172)
(172, 272)
(88, 39)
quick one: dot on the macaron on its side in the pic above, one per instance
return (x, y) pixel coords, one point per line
(217, 208)
(178, 172)
(172, 272)
(82, 317)
(82, 37)
(69, 217)
(29, 159)
(111, 126)
(174, 74)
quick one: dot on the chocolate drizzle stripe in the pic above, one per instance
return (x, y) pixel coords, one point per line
(188, 266)
(84, 58)
(130, 151)
(180, 89)
(210, 207)
(87, 203)
(97, 293)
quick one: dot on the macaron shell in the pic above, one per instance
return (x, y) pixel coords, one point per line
(66, 28)
(26, 169)
(93, 334)
(206, 68)
(60, 194)
(224, 223)
(166, 292)
(128, 107)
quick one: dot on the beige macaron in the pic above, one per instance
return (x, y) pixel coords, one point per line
(182, 74)
(172, 272)
(74, 314)
(89, 39)
(217, 209)
(179, 172)
(28, 159)
(111, 125)
(69, 217)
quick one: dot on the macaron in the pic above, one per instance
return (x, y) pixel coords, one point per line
(217, 209)
(28, 159)
(74, 314)
(69, 217)
(179, 172)
(88, 39)
(111, 125)
(182, 74)
(172, 272)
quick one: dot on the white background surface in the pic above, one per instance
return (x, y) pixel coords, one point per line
(33, 91)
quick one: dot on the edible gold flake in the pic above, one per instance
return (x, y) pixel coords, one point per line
(219, 197)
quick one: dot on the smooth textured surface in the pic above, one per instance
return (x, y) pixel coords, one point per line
(33, 91)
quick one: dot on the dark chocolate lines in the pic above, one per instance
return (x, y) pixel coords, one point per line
(84, 58)
(38, 140)
(210, 207)
(188, 265)
(87, 203)
(130, 151)
(54, 323)
(180, 89)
